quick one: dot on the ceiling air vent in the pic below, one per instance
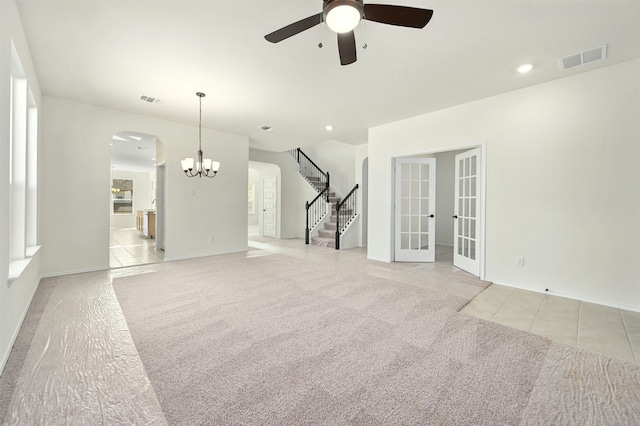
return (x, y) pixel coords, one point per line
(582, 58)
(150, 99)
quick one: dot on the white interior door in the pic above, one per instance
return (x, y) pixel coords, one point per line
(466, 243)
(414, 209)
(269, 206)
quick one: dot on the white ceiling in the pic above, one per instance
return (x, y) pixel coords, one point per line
(133, 152)
(109, 53)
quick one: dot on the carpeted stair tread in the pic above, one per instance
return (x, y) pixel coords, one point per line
(324, 242)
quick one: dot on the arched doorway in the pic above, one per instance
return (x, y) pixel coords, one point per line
(137, 200)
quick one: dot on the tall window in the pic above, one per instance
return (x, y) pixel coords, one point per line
(23, 163)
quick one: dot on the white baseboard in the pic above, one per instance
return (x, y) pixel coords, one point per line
(582, 298)
(75, 271)
(5, 356)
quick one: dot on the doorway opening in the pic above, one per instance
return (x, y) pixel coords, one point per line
(264, 216)
(137, 208)
(449, 213)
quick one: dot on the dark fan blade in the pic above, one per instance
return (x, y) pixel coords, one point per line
(402, 16)
(347, 48)
(293, 29)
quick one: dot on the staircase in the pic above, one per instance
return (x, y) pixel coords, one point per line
(317, 209)
(327, 235)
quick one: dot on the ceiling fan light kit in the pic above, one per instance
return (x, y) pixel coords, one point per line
(343, 16)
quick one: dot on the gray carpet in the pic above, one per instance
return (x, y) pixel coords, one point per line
(256, 341)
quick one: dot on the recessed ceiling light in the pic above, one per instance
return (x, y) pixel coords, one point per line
(525, 68)
(329, 127)
(266, 128)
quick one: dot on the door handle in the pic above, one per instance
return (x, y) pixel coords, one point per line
(431, 215)
(455, 216)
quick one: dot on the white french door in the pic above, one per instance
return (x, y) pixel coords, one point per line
(269, 211)
(466, 241)
(415, 202)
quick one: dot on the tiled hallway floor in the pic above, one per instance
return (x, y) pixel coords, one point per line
(128, 247)
(610, 331)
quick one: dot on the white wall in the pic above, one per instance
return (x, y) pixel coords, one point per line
(15, 296)
(197, 208)
(338, 159)
(563, 166)
(293, 192)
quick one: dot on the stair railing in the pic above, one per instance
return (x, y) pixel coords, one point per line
(345, 215)
(316, 210)
(314, 174)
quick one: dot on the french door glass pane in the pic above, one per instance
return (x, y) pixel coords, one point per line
(415, 243)
(415, 206)
(404, 209)
(424, 241)
(415, 188)
(415, 224)
(415, 172)
(404, 224)
(424, 223)
(405, 171)
(404, 241)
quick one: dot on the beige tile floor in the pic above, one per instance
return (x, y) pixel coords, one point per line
(610, 331)
(128, 247)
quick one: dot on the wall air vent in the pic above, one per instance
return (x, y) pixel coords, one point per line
(582, 58)
(150, 99)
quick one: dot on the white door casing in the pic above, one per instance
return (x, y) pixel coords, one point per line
(269, 211)
(467, 221)
(415, 201)
(160, 206)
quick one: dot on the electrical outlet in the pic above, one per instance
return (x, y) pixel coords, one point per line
(519, 261)
(212, 239)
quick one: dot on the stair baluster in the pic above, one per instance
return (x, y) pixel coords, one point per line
(346, 215)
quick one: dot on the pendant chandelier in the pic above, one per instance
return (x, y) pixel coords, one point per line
(203, 166)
